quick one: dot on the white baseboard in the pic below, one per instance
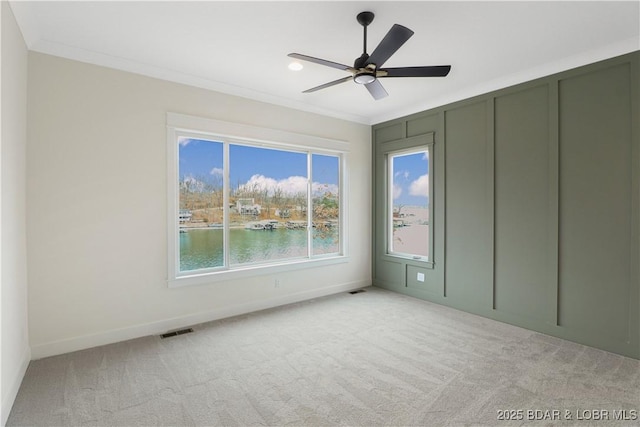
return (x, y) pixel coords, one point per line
(116, 335)
(14, 387)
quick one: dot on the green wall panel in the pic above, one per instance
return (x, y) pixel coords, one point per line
(389, 133)
(415, 273)
(522, 203)
(421, 125)
(467, 259)
(595, 203)
(391, 272)
(537, 205)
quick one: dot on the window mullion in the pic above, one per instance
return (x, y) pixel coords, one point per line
(389, 215)
(309, 205)
(225, 209)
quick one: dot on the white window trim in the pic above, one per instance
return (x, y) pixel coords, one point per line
(424, 146)
(197, 127)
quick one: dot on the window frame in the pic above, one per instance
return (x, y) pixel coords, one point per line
(407, 146)
(180, 125)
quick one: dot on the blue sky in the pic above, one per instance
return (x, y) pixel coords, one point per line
(199, 158)
(203, 160)
(410, 179)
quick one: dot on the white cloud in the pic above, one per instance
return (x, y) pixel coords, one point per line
(425, 156)
(404, 174)
(183, 141)
(290, 186)
(217, 171)
(258, 182)
(420, 187)
(293, 185)
(192, 184)
(397, 191)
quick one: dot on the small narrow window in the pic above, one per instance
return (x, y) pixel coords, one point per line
(409, 218)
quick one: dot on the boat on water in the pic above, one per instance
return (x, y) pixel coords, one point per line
(184, 215)
(296, 224)
(268, 224)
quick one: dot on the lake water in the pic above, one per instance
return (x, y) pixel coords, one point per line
(203, 248)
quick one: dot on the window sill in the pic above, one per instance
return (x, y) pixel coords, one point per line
(410, 260)
(253, 271)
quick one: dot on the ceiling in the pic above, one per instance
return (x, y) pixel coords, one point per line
(241, 48)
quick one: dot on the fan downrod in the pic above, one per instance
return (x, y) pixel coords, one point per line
(364, 18)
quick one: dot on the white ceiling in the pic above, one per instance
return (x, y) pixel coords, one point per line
(241, 47)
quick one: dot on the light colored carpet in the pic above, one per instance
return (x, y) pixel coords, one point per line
(369, 359)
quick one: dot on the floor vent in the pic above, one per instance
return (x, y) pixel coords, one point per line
(357, 292)
(176, 333)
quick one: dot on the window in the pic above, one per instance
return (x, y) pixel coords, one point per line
(241, 204)
(409, 207)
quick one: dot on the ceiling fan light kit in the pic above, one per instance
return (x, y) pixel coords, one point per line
(364, 77)
(366, 68)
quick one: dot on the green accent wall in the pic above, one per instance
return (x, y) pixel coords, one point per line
(536, 208)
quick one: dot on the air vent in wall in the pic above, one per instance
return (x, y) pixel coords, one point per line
(176, 333)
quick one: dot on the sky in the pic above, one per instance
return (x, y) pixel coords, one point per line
(411, 179)
(202, 160)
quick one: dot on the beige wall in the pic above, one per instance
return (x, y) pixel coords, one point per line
(13, 263)
(97, 202)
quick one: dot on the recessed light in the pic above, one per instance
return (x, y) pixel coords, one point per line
(295, 66)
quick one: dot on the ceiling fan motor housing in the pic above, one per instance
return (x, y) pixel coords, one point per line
(361, 62)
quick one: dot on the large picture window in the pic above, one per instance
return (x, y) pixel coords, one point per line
(409, 219)
(242, 204)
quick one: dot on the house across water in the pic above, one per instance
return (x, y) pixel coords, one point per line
(248, 207)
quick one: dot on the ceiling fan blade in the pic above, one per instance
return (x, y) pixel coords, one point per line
(430, 71)
(322, 62)
(326, 85)
(395, 38)
(376, 90)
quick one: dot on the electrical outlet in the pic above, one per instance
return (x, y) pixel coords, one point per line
(420, 277)
(277, 283)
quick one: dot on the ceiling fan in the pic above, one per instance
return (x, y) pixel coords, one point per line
(367, 69)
